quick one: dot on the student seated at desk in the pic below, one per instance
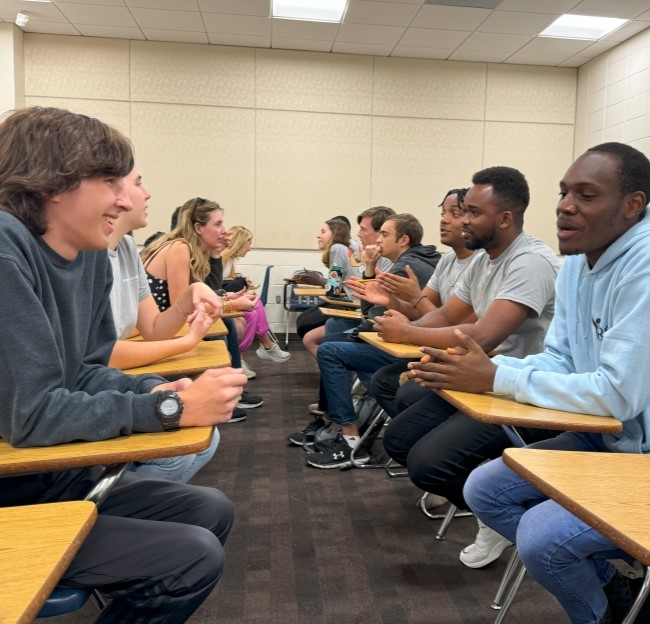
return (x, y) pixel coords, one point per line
(595, 360)
(254, 323)
(133, 306)
(156, 549)
(182, 257)
(510, 289)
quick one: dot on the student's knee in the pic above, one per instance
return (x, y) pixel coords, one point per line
(199, 558)
(536, 538)
(477, 490)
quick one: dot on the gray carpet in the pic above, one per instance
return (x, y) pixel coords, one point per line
(334, 547)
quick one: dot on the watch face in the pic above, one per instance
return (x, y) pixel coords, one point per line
(169, 407)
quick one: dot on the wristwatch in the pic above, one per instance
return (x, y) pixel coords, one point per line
(169, 408)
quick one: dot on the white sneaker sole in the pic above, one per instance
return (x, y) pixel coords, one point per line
(493, 555)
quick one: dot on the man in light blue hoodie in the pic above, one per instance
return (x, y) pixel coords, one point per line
(595, 361)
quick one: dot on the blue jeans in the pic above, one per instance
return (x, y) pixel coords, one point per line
(179, 469)
(555, 546)
(336, 361)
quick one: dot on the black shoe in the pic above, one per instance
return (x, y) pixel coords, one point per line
(306, 436)
(249, 400)
(338, 455)
(238, 414)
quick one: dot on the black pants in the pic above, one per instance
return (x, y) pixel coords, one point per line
(390, 394)
(156, 549)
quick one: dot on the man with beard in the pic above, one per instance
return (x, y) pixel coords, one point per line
(510, 287)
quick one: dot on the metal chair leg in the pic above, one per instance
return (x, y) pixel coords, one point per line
(513, 564)
(510, 596)
(640, 599)
(377, 421)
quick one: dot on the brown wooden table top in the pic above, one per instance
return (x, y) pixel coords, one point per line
(37, 544)
(216, 330)
(138, 446)
(308, 291)
(348, 314)
(211, 354)
(338, 302)
(608, 491)
(504, 410)
(396, 349)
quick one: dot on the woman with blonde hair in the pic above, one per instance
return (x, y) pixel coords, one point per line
(254, 323)
(182, 257)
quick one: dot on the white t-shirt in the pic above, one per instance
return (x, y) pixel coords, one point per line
(130, 286)
(448, 273)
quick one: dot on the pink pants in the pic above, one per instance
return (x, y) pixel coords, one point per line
(256, 325)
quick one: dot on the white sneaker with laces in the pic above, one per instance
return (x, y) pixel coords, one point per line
(487, 548)
(250, 374)
(275, 354)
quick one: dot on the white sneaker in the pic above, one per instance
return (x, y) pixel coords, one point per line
(250, 374)
(275, 354)
(487, 548)
(315, 410)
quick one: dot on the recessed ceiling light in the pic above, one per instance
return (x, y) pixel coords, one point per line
(315, 10)
(21, 19)
(582, 27)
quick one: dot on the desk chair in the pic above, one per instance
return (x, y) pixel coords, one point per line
(293, 303)
(264, 295)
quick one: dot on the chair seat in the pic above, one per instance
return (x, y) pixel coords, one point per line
(64, 600)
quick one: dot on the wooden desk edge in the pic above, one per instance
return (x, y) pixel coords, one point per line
(55, 575)
(556, 421)
(396, 349)
(72, 455)
(617, 537)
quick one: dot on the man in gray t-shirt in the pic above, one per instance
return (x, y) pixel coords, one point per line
(511, 290)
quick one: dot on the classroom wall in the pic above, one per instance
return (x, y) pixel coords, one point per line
(285, 139)
(613, 97)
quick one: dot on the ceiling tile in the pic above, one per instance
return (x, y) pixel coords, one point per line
(240, 40)
(574, 61)
(282, 43)
(644, 16)
(479, 4)
(51, 28)
(627, 30)
(296, 29)
(362, 48)
(432, 38)
(382, 13)
(628, 9)
(450, 18)
(261, 8)
(516, 23)
(598, 47)
(37, 11)
(490, 42)
(104, 2)
(112, 32)
(554, 46)
(535, 59)
(557, 7)
(100, 15)
(177, 36)
(403, 1)
(169, 20)
(169, 5)
(480, 57)
(238, 24)
(366, 34)
(426, 53)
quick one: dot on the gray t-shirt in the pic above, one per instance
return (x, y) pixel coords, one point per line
(448, 273)
(130, 286)
(524, 273)
(340, 255)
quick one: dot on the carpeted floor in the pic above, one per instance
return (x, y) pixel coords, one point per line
(334, 547)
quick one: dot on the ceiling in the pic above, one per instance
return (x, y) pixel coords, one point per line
(495, 31)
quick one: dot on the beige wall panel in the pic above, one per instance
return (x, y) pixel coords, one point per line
(193, 74)
(313, 81)
(524, 93)
(310, 167)
(76, 67)
(416, 161)
(117, 114)
(195, 151)
(542, 152)
(424, 88)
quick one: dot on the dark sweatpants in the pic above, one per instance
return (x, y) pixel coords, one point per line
(156, 548)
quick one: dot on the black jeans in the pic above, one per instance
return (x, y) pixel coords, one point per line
(156, 548)
(390, 394)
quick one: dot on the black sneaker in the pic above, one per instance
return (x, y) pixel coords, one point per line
(306, 436)
(337, 455)
(238, 414)
(249, 400)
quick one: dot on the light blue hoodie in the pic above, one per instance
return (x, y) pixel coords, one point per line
(597, 349)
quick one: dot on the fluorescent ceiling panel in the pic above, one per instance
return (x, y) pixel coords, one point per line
(315, 10)
(582, 27)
